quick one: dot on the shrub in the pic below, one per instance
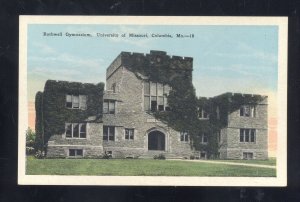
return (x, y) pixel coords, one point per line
(39, 154)
(29, 150)
(192, 157)
(159, 157)
(106, 156)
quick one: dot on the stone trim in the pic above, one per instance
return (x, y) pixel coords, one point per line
(69, 145)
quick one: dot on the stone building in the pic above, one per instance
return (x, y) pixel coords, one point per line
(84, 120)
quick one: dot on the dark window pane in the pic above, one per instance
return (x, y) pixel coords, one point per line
(153, 106)
(71, 152)
(79, 152)
(252, 135)
(181, 136)
(241, 135)
(75, 130)
(126, 134)
(111, 107)
(247, 111)
(105, 133)
(247, 135)
(242, 111)
(69, 130)
(83, 128)
(111, 134)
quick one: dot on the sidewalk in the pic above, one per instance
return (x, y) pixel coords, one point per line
(224, 162)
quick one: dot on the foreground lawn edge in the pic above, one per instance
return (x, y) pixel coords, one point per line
(140, 167)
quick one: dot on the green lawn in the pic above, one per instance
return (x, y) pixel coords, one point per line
(139, 167)
(269, 162)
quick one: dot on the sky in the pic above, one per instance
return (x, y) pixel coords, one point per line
(240, 59)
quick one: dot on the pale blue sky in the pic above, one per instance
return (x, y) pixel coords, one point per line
(226, 58)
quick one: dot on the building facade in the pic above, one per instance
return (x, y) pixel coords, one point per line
(84, 120)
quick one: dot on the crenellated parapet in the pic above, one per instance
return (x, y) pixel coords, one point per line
(148, 62)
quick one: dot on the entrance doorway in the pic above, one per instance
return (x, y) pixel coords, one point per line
(156, 141)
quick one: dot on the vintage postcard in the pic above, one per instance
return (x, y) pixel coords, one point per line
(165, 101)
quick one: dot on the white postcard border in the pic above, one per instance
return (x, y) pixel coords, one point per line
(281, 175)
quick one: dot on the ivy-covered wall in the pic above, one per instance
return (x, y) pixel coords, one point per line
(39, 127)
(52, 113)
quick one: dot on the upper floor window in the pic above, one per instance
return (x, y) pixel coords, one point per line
(155, 97)
(247, 135)
(202, 114)
(76, 101)
(204, 138)
(109, 133)
(75, 130)
(114, 87)
(248, 111)
(184, 136)
(129, 133)
(109, 106)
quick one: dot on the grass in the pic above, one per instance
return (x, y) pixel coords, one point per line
(139, 167)
(269, 162)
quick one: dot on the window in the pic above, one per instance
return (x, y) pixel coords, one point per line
(113, 87)
(202, 114)
(184, 136)
(247, 155)
(204, 138)
(202, 155)
(76, 101)
(109, 107)
(247, 135)
(129, 134)
(75, 130)
(109, 133)
(155, 97)
(248, 111)
(75, 152)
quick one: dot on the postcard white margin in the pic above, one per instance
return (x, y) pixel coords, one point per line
(281, 154)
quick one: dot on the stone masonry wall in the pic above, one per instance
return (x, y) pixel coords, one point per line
(130, 114)
(259, 148)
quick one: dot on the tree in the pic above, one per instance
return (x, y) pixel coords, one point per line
(30, 141)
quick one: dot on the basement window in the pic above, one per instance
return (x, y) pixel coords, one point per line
(75, 152)
(202, 155)
(247, 155)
